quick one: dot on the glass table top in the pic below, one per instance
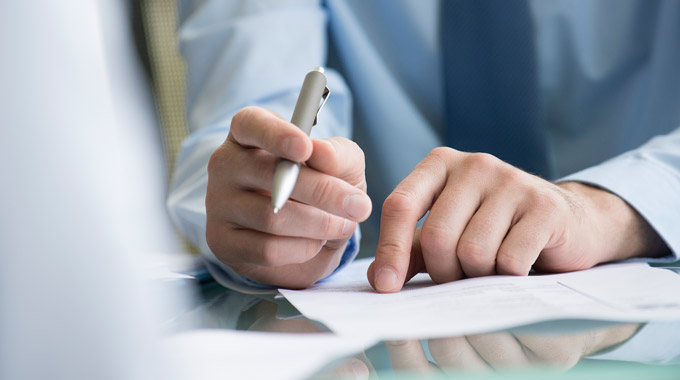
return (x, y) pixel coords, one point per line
(556, 349)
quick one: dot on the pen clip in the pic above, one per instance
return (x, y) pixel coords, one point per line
(324, 96)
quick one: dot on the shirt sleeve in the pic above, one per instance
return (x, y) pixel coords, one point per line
(241, 53)
(648, 179)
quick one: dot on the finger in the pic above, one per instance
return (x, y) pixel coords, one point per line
(524, 243)
(401, 211)
(295, 276)
(332, 195)
(239, 247)
(408, 355)
(562, 351)
(256, 172)
(253, 211)
(416, 264)
(444, 225)
(339, 157)
(483, 236)
(260, 128)
(499, 350)
(353, 368)
(456, 353)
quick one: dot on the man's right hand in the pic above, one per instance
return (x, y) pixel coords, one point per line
(306, 239)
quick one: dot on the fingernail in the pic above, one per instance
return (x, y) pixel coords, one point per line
(355, 206)
(360, 370)
(386, 279)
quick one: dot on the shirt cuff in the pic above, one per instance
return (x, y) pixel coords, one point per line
(650, 189)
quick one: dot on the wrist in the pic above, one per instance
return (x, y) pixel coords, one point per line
(616, 229)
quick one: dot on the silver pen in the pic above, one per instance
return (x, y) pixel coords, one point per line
(312, 97)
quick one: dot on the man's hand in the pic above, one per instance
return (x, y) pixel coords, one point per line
(487, 217)
(305, 240)
(505, 350)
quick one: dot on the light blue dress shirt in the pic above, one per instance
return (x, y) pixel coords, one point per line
(608, 71)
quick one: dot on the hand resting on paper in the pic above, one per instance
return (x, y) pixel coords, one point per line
(487, 217)
(303, 242)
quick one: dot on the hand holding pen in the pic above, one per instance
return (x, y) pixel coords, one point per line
(304, 241)
(312, 97)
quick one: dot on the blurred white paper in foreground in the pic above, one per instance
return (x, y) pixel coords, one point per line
(229, 354)
(348, 305)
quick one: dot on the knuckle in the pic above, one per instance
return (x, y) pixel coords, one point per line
(442, 353)
(438, 158)
(472, 252)
(511, 177)
(322, 190)
(271, 253)
(216, 161)
(441, 153)
(224, 163)
(435, 240)
(398, 203)
(481, 162)
(213, 163)
(351, 164)
(392, 249)
(242, 117)
(546, 200)
(328, 227)
(512, 264)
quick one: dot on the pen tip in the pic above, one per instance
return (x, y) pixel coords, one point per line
(276, 210)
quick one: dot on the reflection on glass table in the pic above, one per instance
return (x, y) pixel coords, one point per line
(557, 349)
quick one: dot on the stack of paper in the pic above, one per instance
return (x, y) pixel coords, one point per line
(348, 305)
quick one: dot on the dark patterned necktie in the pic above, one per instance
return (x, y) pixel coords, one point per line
(491, 81)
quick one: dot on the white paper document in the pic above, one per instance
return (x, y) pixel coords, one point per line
(348, 305)
(228, 354)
